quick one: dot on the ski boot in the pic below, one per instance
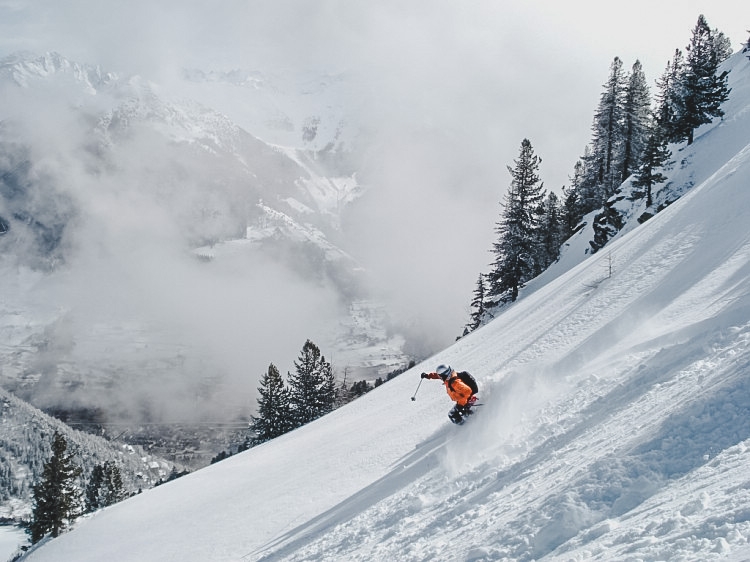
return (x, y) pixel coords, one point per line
(455, 416)
(459, 413)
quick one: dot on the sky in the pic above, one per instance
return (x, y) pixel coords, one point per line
(471, 60)
(452, 90)
(615, 420)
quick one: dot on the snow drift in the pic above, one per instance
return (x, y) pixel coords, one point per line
(616, 422)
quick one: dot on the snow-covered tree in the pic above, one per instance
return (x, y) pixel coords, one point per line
(478, 306)
(636, 120)
(703, 88)
(551, 232)
(669, 102)
(274, 408)
(312, 387)
(516, 251)
(608, 133)
(57, 498)
(572, 207)
(722, 45)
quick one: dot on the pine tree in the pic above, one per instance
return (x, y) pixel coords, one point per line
(656, 155)
(572, 209)
(703, 89)
(478, 306)
(274, 408)
(636, 120)
(608, 134)
(113, 488)
(93, 489)
(669, 102)
(360, 387)
(722, 45)
(516, 249)
(577, 201)
(327, 387)
(312, 387)
(104, 488)
(551, 232)
(56, 496)
(587, 185)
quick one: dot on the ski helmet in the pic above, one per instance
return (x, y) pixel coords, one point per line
(444, 371)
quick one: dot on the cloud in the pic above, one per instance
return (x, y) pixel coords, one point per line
(502, 72)
(152, 329)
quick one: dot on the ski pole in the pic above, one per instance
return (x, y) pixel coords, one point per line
(413, 398)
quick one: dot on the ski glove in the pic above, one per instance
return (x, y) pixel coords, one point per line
(424, 376)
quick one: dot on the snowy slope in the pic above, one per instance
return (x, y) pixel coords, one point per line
(616, 423)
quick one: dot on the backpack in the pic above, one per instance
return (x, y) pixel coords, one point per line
(469, 381)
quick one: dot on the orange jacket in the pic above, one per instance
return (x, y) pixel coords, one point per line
(457, 389)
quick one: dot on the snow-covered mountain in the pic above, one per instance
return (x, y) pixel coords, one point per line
(615, 422)
(312, 111)
(110, 188)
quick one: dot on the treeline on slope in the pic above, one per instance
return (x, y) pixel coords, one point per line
(307, 394)
(63, 492)
(630, 138)
(60, 495)
(25, 446)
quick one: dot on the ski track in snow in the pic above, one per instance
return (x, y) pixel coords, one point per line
(575, 480)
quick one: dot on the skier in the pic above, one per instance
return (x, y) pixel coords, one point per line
(462, 389)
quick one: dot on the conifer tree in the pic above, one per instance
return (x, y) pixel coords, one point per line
(656, 155)
(571, 208)
(586, 184)
(722, 45)
(274, 408)
(579, 198)
(551, 232)
(93, 489)
(606, 153)
(515, 250)
(478, 306)
(312, 387)
(327, 388)
(360, 387)
(105, 487)
(669, 103)
(703, 89)
(636, 119)
(56, 496)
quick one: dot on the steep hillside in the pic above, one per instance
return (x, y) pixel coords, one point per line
(615, 422)
(25, 445)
